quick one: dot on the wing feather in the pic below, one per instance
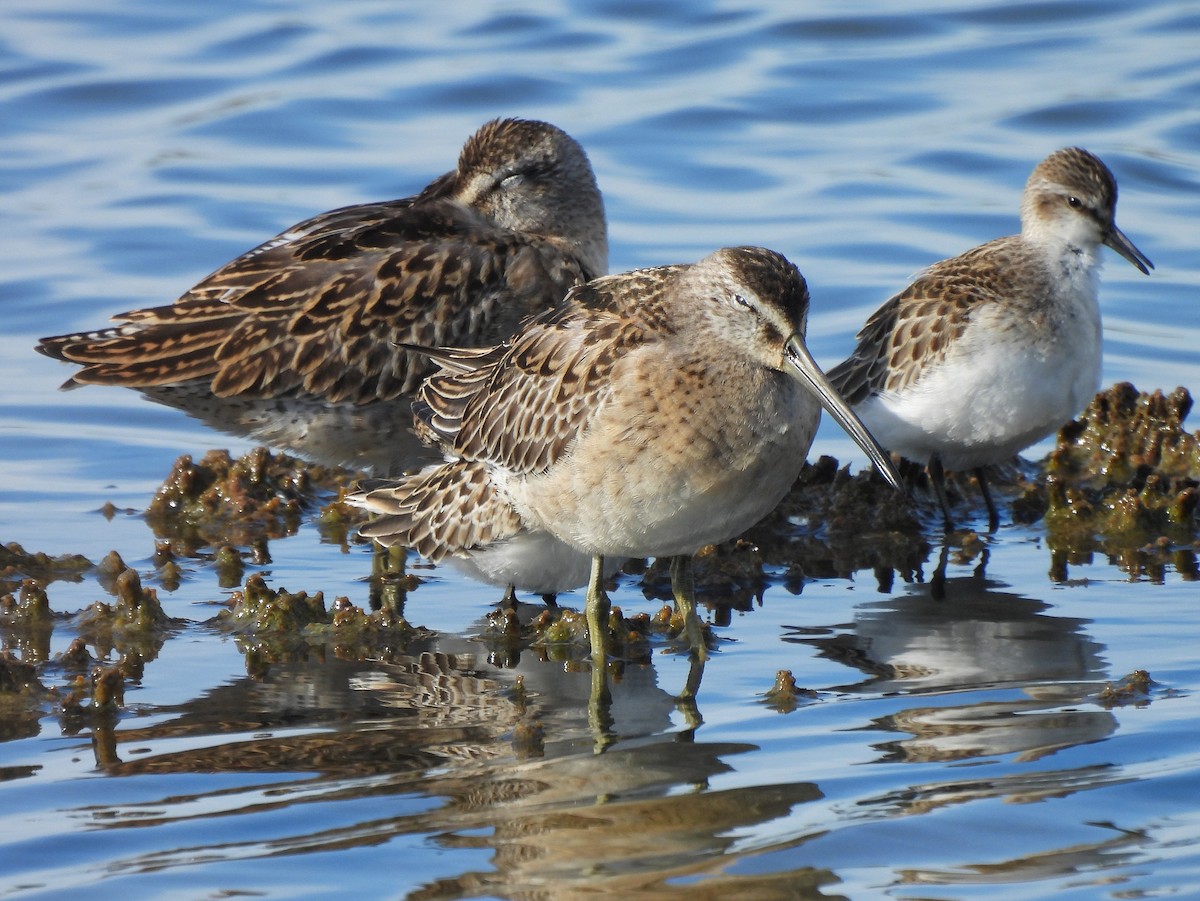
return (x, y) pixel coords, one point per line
(917, 326)
(522, 406)
(322, 306)
(440, 510)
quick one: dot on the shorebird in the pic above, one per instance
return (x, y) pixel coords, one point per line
(653, 413)
(991, 351)
(294, 343)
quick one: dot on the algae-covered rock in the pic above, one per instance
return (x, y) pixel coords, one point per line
(1134, 689)
(21, 697)
(166, 566)
(133, 623)
(16, 564)
(785, 696)
(561, 634)
(259, 608)
(727, 577)
(26, 621)
(337, 520)
(229, 566)
(108, 687)
(136, 609)
(17, 676)
(833, 524)
(1123, 477)
(220, 501)
(276, 625)
(29, 606)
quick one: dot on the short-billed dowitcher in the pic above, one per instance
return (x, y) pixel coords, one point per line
(986, 353)
(295, 342)
(653, 413)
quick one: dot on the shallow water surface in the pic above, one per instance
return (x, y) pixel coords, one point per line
(954, 748)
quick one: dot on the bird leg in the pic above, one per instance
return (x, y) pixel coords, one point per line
(993, 516)
(683, 587)
(600, 717)
(598, 608)
(937, 477)
(386, 586)
(509, 601)
(685, 701)
(937, 583)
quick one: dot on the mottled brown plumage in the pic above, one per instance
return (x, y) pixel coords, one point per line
(914, 330)
(525, 404)
(445, 507)
(653, 413)
(315, 314)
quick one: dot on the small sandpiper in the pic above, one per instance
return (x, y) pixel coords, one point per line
(991, 351)
(653, 413)
(295, 342)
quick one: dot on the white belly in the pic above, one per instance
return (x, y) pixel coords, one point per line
(995, 395)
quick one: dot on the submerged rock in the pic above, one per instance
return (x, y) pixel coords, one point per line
(16, 564)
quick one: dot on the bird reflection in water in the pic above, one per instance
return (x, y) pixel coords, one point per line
(639, 820)
(981, 639)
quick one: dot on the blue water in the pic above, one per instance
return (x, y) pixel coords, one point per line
(953, 750)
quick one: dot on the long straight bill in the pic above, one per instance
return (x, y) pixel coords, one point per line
(1117, 241)
(810, 373)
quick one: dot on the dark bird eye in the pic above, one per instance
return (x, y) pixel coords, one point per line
(1074, 203)
(742, 302)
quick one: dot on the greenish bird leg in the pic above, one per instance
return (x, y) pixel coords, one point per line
(600, 700)
(683, 587)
